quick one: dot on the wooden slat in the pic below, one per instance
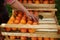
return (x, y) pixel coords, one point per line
(40, 21)
(47, 30)
(30, 26)
(48, 19)
(40, 34)
(40, 5)
(45, 13)
(44, 9)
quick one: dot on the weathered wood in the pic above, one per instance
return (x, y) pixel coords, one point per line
(47, 30)
(30, 26)
(40, 5)
(41, 21)
(37, 34)
(48, 19)
(44, 9)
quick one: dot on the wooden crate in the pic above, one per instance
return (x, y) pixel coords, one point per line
(47, 27)
(40, 30)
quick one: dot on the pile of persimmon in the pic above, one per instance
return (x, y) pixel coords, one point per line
(21, 18)
(37, 1)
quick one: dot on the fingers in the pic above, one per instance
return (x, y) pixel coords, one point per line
(33, 17)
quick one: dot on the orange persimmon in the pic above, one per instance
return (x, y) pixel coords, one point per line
(19, 15)
(7, 29)
(31, 30)
(23, 20)
(23, 30)
(29, 21)
(37, 2)
(12, 37)
(46, 2)
(30, 2)
(51, 2)
(34, 38)
(11, 20)
(24, 1)
(52, 39)
(14, 29)
(17, 21)
(18, 18)
(46, 38)
(39, 38)
(35, 23)
(17, 37)
(20, 12)
(23, 38)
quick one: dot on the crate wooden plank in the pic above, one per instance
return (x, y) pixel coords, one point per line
(48, 19)
(30, 26)
(38, 34)
(40, 5)
(41, 21)
(45, 13)
(44, 9)
(49, 23)
(48, 30)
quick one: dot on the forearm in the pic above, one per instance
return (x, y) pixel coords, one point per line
(17, 5)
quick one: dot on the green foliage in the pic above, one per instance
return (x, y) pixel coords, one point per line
(9, 9)
(58, 8)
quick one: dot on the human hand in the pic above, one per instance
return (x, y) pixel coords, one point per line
(32, 17)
